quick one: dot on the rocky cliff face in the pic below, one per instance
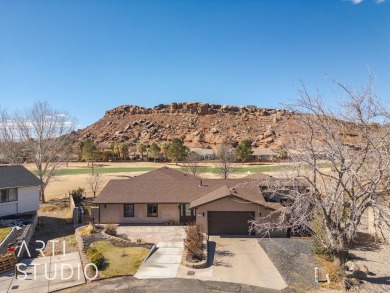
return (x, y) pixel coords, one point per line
(198, 124)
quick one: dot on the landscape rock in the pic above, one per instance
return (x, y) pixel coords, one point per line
(214, 130)
(269, 133)
(350, 265)
(358, 274)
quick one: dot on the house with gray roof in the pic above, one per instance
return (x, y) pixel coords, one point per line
(263, 155)
(165, 195)
(19, 191)
(204, 154)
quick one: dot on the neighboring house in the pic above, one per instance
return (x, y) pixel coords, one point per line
(204, 154)
(276, 189)
(263, 154)
(223, 206)
(19, 191)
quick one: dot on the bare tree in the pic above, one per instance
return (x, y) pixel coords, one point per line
(95, 182)
(10, 147)
(342, 156)
(225, 161)
(44, 132)
(192, 164)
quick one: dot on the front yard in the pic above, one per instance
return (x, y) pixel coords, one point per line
(4, 231)
(119, 261)
(113, 255)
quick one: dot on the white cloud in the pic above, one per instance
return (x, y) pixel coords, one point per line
(360, 1)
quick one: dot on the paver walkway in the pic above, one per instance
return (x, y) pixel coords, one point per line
(153, 233)
(45, 274)
(163, 263)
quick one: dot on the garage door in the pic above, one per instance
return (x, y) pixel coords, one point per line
(229, 223)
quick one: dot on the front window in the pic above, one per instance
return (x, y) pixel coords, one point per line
(128, 210)
(7, 195)
(152, 210)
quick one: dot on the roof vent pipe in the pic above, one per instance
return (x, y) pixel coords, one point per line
(200, 183)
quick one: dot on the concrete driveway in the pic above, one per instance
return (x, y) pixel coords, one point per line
(45, 274)
(237, 260)
(153, 233)
(163, 263)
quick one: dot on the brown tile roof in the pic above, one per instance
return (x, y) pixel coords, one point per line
(166, 185)
(248, 193)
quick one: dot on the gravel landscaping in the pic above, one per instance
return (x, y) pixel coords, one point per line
(376, 256)
(294, 260)
(14, 237)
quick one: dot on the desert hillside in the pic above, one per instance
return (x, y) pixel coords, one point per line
(198, 124)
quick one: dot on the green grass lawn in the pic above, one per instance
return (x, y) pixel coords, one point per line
(240, 169)
(120, 260)
(246, 168)
(103, 170)
(4, 231)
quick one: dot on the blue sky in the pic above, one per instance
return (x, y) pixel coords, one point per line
(90, 56)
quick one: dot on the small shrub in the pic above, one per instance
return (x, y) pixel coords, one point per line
(194, 241)
(88, 230)
(336, 274)
(95, 257)
(91, 250)
(111, 230)
(77, 194)
(139, 240)
(124, 237)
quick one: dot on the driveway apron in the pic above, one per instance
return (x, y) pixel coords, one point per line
(238, 260)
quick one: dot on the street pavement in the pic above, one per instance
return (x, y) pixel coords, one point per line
(176, 285)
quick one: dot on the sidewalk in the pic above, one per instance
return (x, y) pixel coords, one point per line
(45, 274)
(163, 263)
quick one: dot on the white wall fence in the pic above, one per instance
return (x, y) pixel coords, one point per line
(27, 235)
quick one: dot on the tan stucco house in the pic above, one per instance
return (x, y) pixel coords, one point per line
(165, 195)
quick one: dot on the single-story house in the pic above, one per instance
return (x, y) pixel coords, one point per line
(223, 206)
(19, 191)
(277, 189)
(263, 154)
(204, 154)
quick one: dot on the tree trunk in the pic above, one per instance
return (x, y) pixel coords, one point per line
(341, 256)
(42, 194)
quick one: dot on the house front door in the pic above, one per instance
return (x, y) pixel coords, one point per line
(186, 215)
